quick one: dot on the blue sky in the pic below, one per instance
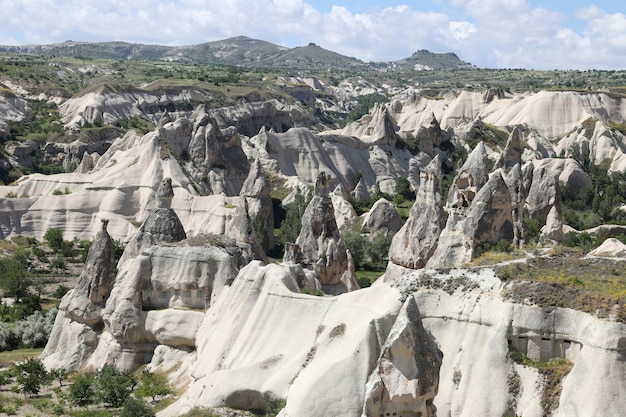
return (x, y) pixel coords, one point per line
(573, 34)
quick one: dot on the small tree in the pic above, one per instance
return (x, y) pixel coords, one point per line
(58, 263)
(81, 391)
(54, 238)
(112, 386)
(13, 277)
(356, 243)
(153, 385)
(60, 374)
(290, 227)
(378, 248)
(31, 376)
(134, 407)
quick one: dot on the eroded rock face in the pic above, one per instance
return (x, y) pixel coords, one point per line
(544, 202)
(360, 191)
(487, 220)
(243, 231)
(382, 216)
(344, 212)
(256, 190)
(321, 248)
(417, 240)
(301, 345)
(159, 299)
(406, 378)
(86, 301)
(512, 153)
(470, 178)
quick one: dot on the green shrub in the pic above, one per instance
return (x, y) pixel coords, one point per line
(81, 391)
(134, 407)
(54, 238)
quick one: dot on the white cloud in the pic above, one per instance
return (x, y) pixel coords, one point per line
(489, 33)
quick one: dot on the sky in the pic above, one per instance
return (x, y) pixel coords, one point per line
(544, 35)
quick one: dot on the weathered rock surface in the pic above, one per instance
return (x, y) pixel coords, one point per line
(321, 248)
(344, 212)
(610, 247)
(85, 302)
(256, 190)
(417, 240)
(360, 191)
(382, 216)
(263, 340)
(487, 220)
(242, 229)
(544, 202)
(475, 325)
(469, 180)
(511, 155)
(161, 290)
(12, 109)
(406, 378)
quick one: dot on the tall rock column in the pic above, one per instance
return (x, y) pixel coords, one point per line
(86, 301)
(320, 244)
(256, 190)
(416, 241)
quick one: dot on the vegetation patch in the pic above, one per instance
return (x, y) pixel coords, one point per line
(592, 285)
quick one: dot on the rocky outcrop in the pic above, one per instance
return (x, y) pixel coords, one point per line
(417, 240)
(487, 220)
(344, 212)
(477, 326)
(382, 216)
(406, 377)
(514, 180)
(610, 247)
(431, 136)
(85, 302)
(375, 128)
(544, 202)
(320, 245)
(158, 297)
(161, 226)
(469, 180)
(256, 190)
(243, 230)
(300, 345)
(12, 109)
(511, 155)
(360, 191)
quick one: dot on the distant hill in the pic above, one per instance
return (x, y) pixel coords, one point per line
(239, 51)
(426, 60)
(313, 55)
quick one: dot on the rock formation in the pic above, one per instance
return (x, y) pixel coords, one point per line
(544, 202)
(256, 191)
(406, 377)
(416, 241)
(515, 183)
(85, 302)
(344, 212)
(320, 243)
(470, 178)
(511, 155)
(382, 216)
(360, 191)
(303, 344)
(242, 229)
(158, 297)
